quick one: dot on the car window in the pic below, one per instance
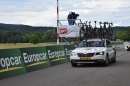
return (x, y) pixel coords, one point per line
(92, 44)
(108, 43)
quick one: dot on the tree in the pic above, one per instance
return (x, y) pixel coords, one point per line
(119, 34)
(12, 39)
(49, 36)
(20, 39)
(124, 35)
(4, 37)
(39, 34)
(34, 39)
(128, 33)
(26, 38)
(9, 40)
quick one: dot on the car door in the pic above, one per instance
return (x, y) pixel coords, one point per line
(109, 48)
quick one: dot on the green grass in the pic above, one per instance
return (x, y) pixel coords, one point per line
(24, 45)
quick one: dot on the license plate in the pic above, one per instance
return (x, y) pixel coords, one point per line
(85, 58)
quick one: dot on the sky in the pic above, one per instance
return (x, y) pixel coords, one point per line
(44, 12)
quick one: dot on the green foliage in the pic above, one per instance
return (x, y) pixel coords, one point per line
(124, 35)
(128, 32)
(119, 34)
(119, 28)
(20, 39)
(9, 40)
(11, 33)
(12, 39)
(24, 29)
(4, 37)
(49, 36)
(22, 33)
(26, 38)
(34, 39)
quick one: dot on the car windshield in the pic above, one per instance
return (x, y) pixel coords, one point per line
(100, 43)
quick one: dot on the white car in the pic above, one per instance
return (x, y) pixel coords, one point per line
(127, 45)
(93, 51)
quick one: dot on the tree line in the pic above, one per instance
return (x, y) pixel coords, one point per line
(15, 37)
(123, 35)
(11, 33)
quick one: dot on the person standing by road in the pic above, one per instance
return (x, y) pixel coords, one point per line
(70, 18)
(74, 17)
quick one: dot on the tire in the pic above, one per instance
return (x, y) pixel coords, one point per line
(106, 62)
(73, 64)
(114, 58)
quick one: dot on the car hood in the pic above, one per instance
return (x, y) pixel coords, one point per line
(89, 49)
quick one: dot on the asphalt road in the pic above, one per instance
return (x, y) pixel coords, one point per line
(116, 74)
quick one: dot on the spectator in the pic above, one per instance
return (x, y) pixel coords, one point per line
(74, 17)
(70, 17)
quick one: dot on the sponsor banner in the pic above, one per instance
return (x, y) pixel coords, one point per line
(68, 49)
(69, 31)
(35, 58)
(11, 63)
(56, 54)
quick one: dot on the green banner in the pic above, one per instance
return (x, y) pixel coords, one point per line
(68, 49)
(35, 58)
(11, 63)
(56, 54)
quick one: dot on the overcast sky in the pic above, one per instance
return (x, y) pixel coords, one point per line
(43, 12)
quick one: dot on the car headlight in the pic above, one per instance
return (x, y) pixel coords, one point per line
(73, 54)
(99, 53)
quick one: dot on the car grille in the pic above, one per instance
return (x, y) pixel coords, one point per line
(85, 55)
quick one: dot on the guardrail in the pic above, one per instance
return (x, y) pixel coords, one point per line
(118, 45)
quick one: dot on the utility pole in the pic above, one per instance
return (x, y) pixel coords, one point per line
(57, 22)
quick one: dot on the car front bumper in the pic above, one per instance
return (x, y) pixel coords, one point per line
(94, 59)
(88, 61)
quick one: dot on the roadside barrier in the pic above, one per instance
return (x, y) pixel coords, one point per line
(35, 58)
(68, 49)
(23, 60)
(56, 54)
(118, 45)
(11, 63)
